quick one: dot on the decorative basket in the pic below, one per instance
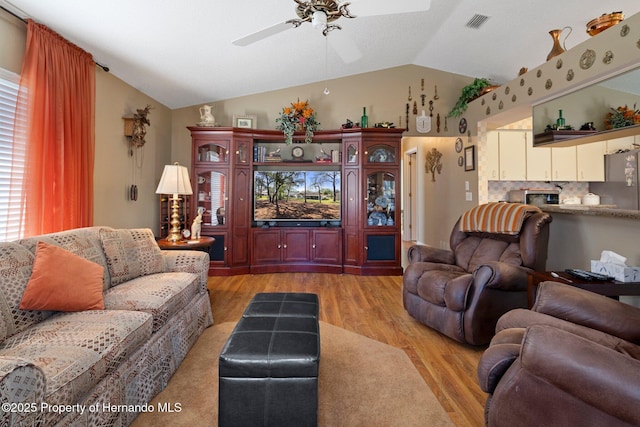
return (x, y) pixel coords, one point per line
(603, 22)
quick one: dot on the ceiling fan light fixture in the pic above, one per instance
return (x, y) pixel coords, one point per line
(319, 20)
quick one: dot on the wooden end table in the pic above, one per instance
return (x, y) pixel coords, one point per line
(201, 244)
(610, 288)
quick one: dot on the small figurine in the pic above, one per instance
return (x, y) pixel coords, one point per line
(196, 226)
(347, 125)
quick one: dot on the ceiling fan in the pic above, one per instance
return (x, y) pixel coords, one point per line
(322, 15)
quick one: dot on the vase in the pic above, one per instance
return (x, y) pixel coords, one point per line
(557, 49)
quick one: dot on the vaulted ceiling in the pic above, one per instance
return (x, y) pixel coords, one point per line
(181, 53)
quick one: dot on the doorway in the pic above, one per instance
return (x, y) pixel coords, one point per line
(410, 203)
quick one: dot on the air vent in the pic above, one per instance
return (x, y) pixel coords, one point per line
(477, 21)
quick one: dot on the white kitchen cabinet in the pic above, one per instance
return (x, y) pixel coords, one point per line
(563, 164)
(625, 143)
(493, 156)
(590, 161)
(538, 161)
(513, 155)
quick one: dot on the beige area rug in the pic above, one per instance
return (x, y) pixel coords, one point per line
(362, 382)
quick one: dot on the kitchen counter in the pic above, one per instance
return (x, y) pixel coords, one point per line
(609, 211)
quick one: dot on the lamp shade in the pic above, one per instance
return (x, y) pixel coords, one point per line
(174, 180)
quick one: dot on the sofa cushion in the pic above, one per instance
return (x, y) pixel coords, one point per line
(62, 281)
(76, 350)
(15, 269)
(161, 295)
(84, 242)
(131, 253)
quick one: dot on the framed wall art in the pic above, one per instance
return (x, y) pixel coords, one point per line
(470, 158)
(245, 121)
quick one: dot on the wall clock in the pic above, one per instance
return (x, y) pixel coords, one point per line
(462, 127)
(297, 153)
(458, 145)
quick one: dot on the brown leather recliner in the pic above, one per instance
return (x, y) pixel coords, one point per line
(463, 291)
(572, 360)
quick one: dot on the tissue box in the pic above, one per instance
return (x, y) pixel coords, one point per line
(619, 272)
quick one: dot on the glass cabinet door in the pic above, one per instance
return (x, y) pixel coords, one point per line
(381, 197)
(242, 152)
(352, 154)
(213, 153)
(211, 196)
(380, 154)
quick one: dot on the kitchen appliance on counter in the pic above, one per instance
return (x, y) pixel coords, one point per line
(536, 197)
(621, 181)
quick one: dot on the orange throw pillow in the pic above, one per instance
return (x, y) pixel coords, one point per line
(63, 281)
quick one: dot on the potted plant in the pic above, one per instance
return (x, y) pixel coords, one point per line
(298, 116)
(622, 116)
(468, 94)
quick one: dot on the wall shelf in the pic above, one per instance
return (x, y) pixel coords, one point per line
(573, 138)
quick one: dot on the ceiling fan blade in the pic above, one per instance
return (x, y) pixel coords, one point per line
(386, 7)
(262, 34)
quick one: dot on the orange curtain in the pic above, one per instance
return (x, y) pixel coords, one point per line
(59, 79)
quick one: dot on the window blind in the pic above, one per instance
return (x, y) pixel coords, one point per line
(12, 157)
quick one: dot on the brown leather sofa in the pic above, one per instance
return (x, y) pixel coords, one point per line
(463, 291)
(572, 360)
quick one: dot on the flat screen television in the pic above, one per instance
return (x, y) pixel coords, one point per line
(300, 197)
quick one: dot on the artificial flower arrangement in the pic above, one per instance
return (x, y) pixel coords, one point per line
(299, 115)
(622, 116)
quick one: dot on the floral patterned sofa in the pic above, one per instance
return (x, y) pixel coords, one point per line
(101, 365)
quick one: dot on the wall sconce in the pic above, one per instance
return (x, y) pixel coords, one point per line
(433, 164)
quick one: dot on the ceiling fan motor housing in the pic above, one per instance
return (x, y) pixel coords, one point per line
(330, 8)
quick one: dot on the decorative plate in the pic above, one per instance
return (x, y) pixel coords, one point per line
(460, 161)
(462, 126)
(458, 145)
(378, 218)
(380, 156)
(382, 201)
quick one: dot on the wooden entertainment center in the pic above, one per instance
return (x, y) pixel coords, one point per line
(365, 237)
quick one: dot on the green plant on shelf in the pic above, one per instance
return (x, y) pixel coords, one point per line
(468, 94)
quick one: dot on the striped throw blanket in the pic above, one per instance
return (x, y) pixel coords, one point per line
(504, 218)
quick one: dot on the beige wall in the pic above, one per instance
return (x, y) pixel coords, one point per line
(385, 95)
(14, 39)
(115, 169)
(574, 239)
(439, 203)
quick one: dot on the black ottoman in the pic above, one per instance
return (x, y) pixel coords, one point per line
(268, 370)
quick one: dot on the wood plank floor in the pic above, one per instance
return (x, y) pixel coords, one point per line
(372, 306)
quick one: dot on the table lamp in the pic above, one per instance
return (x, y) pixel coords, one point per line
(175, 181)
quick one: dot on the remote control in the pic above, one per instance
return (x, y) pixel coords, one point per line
(586, 275)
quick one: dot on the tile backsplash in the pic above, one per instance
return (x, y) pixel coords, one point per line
(498, 191)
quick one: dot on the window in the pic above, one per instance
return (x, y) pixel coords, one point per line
(12, 157)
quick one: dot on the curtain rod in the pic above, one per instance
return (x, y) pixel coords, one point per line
(104, 67)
